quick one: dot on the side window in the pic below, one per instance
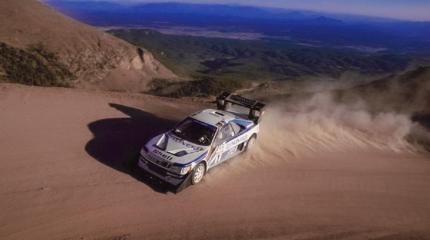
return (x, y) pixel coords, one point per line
(224, 134)
(236, 128)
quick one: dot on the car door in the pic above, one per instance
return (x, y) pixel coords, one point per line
(221, 148)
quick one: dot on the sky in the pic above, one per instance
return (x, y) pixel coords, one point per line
(398, 9)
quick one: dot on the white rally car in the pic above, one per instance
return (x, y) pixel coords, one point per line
(203, 140)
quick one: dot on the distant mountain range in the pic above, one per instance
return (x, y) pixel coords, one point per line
(303, 26)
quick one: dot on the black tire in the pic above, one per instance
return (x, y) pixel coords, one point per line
(198, 173)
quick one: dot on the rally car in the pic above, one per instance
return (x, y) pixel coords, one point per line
(203, 140)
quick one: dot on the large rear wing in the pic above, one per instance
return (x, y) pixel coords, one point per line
(226, 99)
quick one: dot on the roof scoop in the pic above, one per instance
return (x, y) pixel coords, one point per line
(162, 142)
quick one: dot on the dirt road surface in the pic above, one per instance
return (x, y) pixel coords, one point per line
(65, 174)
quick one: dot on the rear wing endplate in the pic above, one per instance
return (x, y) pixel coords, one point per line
(256, 108)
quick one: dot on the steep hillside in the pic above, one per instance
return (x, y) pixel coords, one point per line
(95, 58)
(33, 66)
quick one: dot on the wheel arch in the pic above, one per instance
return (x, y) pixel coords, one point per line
(204, 163)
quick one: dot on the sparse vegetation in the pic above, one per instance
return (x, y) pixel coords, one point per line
(33, 66)
(196, 88)
(2, 74)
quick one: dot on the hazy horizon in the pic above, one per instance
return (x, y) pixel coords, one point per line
(415, 10)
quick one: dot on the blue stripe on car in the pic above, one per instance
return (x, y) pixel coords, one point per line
(202, 123)
(242, 133)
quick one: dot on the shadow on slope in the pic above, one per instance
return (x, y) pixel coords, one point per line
(117, 141)
(423, 119)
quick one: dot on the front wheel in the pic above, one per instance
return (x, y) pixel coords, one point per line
(198, 173)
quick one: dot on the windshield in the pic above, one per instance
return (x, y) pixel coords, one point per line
(196, 132)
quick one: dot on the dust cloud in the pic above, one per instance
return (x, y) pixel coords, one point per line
(302, 128)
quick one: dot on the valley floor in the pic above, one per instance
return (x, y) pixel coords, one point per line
(64, 175)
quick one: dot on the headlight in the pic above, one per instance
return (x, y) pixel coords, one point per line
(181, 170)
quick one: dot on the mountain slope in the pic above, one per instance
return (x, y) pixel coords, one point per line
(94, 57)
(237, 64)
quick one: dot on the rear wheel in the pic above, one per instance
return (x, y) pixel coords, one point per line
(251, 142)
(198, 173)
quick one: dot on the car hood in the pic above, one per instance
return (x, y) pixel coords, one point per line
(173, 149)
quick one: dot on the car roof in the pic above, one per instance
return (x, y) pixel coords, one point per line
(214, 117)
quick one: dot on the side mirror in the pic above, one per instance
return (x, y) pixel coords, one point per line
(220, 104)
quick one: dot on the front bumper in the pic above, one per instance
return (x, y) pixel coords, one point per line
(161, 173)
